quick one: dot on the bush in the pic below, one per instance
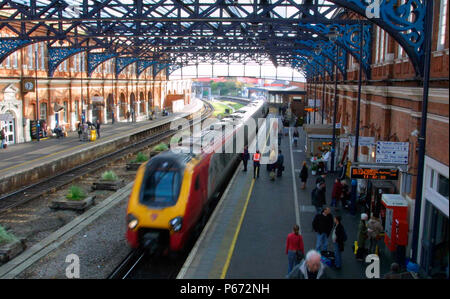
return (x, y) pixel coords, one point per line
(160, 147)
(6, 237)
(140, 157)
(314, 167)
(109, 176)
(76, 193)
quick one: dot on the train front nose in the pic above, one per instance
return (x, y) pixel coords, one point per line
(154, 216)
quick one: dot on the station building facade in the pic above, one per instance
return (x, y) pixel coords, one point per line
(391, 105)
(70, 96)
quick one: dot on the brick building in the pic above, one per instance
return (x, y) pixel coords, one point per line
(77, 96)
(391, 105)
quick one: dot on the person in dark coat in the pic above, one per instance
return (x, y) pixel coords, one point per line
(338, 236)
(336, 192)
(322, 225)
(318, 197)
(97, 127)
(304, 175)
(279, 164)
(345, 193)
(79, 130)
(310, 268)
(245, 156)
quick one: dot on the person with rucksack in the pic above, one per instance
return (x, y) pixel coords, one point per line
(294, 248)
(338, 237)
(322, 225)
(318, 197)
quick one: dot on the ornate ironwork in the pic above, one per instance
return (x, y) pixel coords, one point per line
(56, 55)
(123, 62)
(142, 65)
(8, 46)
(95, 59)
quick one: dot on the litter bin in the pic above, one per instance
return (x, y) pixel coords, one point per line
(92, 135)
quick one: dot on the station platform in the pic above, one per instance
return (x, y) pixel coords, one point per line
(21, 158)
(245, 237)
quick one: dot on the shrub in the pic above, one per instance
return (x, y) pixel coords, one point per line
(109, 176)
(76, 193)
(314, 167)
(140, 157)
(6, 237)
(160, 147)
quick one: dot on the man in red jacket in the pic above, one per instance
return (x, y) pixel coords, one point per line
(336, 193)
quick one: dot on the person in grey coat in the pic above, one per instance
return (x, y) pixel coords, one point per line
(310, 268)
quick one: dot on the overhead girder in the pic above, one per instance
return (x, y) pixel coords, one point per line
(348, 40)
(136, 22)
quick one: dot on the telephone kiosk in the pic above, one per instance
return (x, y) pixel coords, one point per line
(395, 212)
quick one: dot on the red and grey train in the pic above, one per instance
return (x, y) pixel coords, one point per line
(173, 191)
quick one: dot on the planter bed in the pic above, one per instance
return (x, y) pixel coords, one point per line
(79, 205)
(108, 185)
(9, 251)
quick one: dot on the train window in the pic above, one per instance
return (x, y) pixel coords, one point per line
(161, 188)
(197, 183)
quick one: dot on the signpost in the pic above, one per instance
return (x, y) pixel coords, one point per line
(392, 152)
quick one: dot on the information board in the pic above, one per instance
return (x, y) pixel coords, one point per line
(392, 152)
(374, 173)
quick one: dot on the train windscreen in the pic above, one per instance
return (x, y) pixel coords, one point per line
(161, 188)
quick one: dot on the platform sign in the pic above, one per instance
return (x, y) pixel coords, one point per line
(363, 141)
(374, 173)
(392, 152)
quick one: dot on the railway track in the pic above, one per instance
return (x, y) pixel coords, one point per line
(51, 184)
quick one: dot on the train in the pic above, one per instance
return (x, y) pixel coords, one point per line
(173, 192)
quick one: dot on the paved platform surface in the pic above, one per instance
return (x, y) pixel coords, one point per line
(28, 155)
(246, 235)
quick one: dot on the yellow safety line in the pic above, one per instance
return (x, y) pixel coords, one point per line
(236, 233)
(40, 158)
(238, 228)
(49, 155)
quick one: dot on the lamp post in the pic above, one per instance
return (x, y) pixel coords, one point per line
(317, 51)
(355, 156)
(333, 36)
(38, 124)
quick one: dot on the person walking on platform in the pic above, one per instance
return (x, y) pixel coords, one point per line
(3, 137)
(112, 116)
(322, 225)
(318, 197)
(338, 236)
(296, 135)
(345, 194)
(310, 268)
(294, 248)
(362, 237)
(271, 167)
(304, 175)
(79, 130)
(374, 228)
(256, 164)
(97, 127)
(280, 162)
(336, 193)
(245, 156)
(128, 116)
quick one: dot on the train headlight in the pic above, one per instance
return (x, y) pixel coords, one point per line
(132, 221)
(176, 223)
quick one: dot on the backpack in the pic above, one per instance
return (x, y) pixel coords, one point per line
(345, 235)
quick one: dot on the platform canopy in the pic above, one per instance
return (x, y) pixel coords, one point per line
(169, 34)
